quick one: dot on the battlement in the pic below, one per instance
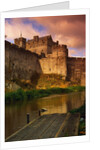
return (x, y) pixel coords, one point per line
(36, 38)
(39, 40)
(59, 46)
(21, 42)
(40, 45)
(11, 45)
(76, 59)
(15, 48)
(59, 51)
(43, 56)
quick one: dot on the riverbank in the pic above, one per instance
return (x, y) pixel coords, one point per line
(82, 123)
(21, 94)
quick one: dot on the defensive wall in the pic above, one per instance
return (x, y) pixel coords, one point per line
(42, 55)
(76, 70)
(19, 63)
(55, 63)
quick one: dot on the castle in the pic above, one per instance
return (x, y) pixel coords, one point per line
(42, 55)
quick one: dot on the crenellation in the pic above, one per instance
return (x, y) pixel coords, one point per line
(43, 56)
(21, 42)
(36, 38)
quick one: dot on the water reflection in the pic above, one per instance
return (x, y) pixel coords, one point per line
(15, 115)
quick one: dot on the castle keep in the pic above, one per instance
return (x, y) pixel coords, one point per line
(53, 57)
(41, 55)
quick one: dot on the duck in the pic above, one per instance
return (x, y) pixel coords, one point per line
(43, 109)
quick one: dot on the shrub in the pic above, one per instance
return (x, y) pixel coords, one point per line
(30, 94)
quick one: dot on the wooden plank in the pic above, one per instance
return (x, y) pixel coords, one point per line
(39, 129)
(53, 129)
(33, 130)
(48, 126)
(24, 131)
(70, 126)
(62, 128)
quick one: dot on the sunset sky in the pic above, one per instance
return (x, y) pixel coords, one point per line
(69, 30)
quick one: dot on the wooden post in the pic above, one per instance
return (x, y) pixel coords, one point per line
(28, 118)
(39, 112)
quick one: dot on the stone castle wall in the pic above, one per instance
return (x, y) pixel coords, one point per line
(23, 63)
(19, 63)
(59, 51)
(54, 65)
(39, 45)
(38, 49)
(21, 42)
(76, 70)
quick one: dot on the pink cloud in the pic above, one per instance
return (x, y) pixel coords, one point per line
(72, 52)
(76, 53)
(13, 29)
(69, 30)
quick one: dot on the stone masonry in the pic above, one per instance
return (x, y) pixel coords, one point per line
(41, 55)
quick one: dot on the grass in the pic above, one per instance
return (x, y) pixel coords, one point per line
(82, 128)
(21, 95)
(82, 124)
(81, 110)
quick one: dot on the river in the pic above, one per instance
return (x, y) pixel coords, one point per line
(15, 114)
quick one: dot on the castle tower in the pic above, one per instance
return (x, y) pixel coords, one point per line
(21, 42)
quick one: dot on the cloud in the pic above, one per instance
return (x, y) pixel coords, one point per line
(14, 27)
(72, 52)
(69, 30)
(76, 53)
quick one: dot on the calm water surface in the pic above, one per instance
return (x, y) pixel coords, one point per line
(15, 114)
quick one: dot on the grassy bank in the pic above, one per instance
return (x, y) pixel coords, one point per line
(82, 124)
(20, 94)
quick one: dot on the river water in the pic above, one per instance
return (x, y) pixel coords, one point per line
(15, 114)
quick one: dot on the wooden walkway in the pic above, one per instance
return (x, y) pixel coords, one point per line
(48, 126)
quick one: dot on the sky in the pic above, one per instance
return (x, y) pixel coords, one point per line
(69, 30)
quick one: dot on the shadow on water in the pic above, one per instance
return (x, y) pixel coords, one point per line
(75, 101)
